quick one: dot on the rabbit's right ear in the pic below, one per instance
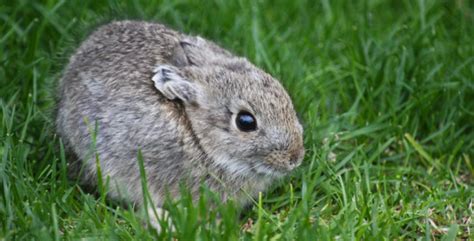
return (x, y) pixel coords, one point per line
(168, 81)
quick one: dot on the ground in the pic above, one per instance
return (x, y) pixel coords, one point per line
(385, 90)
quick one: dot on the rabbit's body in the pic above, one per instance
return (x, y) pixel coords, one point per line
(173, 98)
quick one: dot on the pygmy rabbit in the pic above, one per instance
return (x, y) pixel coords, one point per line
(195, 112)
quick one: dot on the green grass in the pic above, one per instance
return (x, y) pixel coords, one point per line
(385, 90)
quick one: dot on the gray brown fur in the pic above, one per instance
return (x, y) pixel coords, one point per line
(109, 82)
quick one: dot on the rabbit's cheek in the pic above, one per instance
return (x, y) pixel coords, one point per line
(231, 165)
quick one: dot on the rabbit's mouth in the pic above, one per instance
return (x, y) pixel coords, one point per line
(251, 166)
(269, 170)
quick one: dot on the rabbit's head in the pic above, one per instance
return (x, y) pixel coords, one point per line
(241, 117)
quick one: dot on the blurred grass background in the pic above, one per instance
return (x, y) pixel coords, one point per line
(385, 90)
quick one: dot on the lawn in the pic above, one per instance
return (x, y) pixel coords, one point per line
(385, 90)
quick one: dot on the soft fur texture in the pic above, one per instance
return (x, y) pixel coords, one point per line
(175, 98)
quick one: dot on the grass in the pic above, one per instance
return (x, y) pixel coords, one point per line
(385, 90)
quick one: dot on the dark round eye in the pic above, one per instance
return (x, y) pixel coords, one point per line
(246, 122)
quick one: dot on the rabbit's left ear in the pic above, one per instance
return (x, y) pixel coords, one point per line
(168, 81)
(198, 52)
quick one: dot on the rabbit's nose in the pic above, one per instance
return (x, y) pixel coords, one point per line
(295, 158)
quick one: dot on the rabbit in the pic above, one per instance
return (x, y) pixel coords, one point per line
(195, 113)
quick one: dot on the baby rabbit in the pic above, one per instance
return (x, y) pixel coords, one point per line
(195, 112)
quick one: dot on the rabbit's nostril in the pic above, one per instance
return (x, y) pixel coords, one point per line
(294, 159)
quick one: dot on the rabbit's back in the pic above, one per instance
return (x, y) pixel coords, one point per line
(107, 94)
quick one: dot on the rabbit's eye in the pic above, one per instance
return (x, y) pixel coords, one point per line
(246, 121)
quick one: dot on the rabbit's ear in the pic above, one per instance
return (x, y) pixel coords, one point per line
(197, 51)
(173, 86)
